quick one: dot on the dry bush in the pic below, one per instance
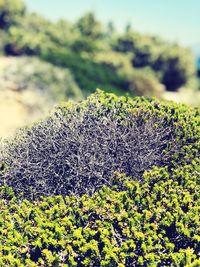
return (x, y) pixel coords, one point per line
(75, 151)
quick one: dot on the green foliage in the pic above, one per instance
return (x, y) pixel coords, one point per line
(89, 26)
(10, 12)
(92, 51)
(173, 64)
(83, 44)
(33, 35)
(88, 74)
(151, 224)
(175, 73)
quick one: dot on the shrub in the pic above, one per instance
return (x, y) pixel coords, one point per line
(89, 26)
(140, 214)
(155, 223)
(173, 64)
(178, 68)
(145, 83)
(10, 12)
(35, 34)
(88, 74)
(76, 149)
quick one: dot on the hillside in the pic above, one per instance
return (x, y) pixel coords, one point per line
(97, 55)
(29, 88)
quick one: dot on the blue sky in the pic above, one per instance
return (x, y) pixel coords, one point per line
(175, 20)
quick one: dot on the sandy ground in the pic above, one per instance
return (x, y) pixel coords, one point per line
(12, 113)
(185, 96)
(18, 110)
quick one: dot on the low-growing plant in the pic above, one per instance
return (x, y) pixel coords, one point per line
(155, 223)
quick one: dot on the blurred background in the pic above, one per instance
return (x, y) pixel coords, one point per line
(52, 51)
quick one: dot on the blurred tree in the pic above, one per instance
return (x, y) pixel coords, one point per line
(28, 37)
(110, 29)
(33, 34)
(124, 43)
(142, 56)
(10, 12)
(144, 83)
(146, 50)
(174, 65)
(128, 27)
(178, 68)
(60, 33)
(89, 26)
